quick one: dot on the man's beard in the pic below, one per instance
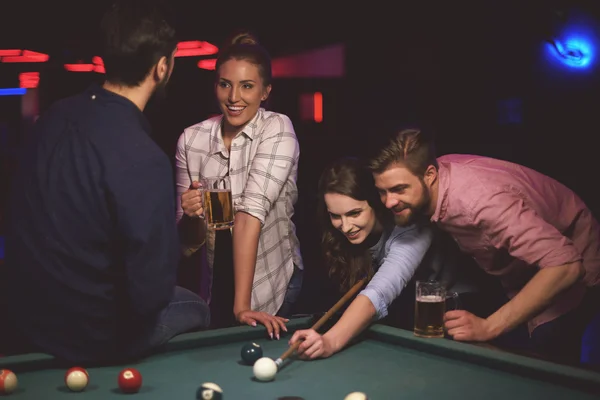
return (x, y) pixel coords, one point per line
(416, 212)
(160, 93)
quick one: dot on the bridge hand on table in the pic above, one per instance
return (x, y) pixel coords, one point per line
(273, 323)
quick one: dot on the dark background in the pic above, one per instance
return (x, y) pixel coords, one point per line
(457, 67)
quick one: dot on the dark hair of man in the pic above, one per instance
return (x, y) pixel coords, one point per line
(136, 34)
(411, 148)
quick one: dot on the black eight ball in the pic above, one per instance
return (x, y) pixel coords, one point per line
(251, 352)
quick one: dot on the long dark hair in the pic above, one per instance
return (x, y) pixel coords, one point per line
(347, 262)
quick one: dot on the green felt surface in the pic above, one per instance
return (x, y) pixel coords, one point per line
(386, 364)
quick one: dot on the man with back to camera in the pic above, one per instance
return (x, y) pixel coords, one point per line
(533, 233)
(92, 244)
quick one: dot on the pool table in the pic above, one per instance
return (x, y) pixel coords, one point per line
(384, 363)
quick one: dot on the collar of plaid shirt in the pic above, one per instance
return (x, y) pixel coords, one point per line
(217, 144)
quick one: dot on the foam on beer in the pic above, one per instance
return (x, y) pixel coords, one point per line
(430, 299)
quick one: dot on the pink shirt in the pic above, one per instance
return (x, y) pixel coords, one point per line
(513, 221)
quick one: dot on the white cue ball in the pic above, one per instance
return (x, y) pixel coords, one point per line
(264, 369)
(356, 396)
(76, 379)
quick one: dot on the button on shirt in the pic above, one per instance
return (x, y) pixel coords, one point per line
(262, 166)
(514, 221)
(92, 246)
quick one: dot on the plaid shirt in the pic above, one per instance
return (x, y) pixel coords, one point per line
(262, 165)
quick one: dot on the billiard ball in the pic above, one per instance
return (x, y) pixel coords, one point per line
(209, 391)
(8, 381)
(130, 380)
(264, 369)
(76, 379)
(251, 352)
(356, 396)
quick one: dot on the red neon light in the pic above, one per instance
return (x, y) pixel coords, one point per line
(208, 64)
(195, 48)
(190, 44)
(192, 52)
(79, 67)
(18, 56)
(27, 56)
(29, 53)
(318, 107)
(4, 53)
(97, 66)
(29, 80)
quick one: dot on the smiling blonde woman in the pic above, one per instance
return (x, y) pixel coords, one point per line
(259, 151)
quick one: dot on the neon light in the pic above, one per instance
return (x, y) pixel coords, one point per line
(29, 53)
(79, 67)
(574, 52)
(4, 53)
(192, 52)
(208, 64)
(29, 80)
(13, 91)
(97, 66)
(190, 44)
(26, 56)
(195, 48)
(574, 45)
(23, 59)
(318, 107)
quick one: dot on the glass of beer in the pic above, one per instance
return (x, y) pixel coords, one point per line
(217, 202)
(430, 307)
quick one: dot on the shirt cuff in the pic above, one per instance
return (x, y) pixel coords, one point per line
(561, 257)
(377, 301)
(257, 213)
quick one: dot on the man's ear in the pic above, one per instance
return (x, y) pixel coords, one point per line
(430, 176)
(162, 69)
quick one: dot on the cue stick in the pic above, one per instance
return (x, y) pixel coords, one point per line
(324, 318)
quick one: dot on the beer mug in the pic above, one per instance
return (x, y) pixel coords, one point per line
(430, 307)
(217, 202)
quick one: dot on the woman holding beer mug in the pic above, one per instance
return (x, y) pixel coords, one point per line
(257, 150)
(359, 239)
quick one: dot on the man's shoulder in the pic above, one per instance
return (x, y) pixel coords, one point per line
(467, 174)
(62, 109)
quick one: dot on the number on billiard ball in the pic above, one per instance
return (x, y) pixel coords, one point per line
(130, 380)
(209, 391)
(251, 352)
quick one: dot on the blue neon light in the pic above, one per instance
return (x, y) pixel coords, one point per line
(574, 48)
(573, 52)
(13, 92)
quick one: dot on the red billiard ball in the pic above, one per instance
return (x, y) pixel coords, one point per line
(8, 381)
(77, 379)
(130, 380)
